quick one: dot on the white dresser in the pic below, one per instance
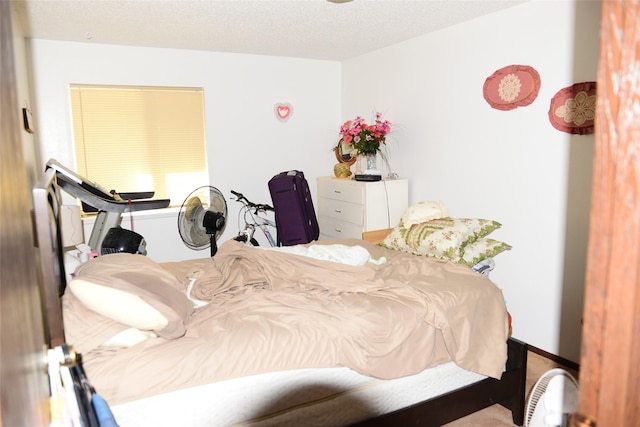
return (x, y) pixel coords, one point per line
(347, 207)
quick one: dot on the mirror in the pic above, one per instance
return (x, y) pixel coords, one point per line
(344, 155)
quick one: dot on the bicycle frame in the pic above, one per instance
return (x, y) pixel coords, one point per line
(250, 214)
(253, 221)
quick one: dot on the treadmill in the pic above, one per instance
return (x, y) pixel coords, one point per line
(109, 204)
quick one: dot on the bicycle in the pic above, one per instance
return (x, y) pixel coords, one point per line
(249, 212)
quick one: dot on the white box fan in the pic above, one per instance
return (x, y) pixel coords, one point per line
(553, 399)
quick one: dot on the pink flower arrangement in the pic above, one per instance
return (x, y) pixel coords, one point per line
(364, 138)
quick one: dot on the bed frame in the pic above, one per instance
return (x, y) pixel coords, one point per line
(508, 391)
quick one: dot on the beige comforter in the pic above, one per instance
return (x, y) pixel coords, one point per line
(274, 311)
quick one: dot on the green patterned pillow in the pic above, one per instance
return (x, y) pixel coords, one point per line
(443, 238)
(482, 249)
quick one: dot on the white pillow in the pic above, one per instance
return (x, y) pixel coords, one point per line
(88, 330)
(133, 290)
(118, 305)
(423, 212)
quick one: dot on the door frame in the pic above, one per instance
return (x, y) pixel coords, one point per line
(610, 353)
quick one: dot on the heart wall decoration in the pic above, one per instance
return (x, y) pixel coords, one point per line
(283, 111)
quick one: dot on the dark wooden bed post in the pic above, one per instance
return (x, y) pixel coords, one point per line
(517, 363)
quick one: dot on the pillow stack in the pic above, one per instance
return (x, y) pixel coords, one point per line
(426, 229)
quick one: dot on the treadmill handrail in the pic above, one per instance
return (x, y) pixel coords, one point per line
(75, 188)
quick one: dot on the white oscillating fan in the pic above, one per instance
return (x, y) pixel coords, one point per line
(553, 399)
(202, 218)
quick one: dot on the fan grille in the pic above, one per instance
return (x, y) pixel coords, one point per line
(539, 390)
(191, 215)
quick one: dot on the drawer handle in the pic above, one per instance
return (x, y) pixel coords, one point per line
(337, 230)
(337, 191)
(337, 211)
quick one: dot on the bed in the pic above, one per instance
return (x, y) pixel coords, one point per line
(258, 337)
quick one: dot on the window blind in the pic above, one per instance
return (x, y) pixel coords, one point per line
(140, 138)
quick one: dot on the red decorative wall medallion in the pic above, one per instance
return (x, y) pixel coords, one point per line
(573, 109)
(511, 87)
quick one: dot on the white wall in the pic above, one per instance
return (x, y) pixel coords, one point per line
(246, 143)
(512, 166)
(31, 158)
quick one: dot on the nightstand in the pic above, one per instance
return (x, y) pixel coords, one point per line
(347, 207)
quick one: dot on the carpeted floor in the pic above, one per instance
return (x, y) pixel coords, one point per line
(497, 415)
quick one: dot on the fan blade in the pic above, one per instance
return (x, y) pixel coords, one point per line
(192, 207)
(218, 204)
(198, 237)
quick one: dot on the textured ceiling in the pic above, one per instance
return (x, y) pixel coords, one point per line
(297, 28)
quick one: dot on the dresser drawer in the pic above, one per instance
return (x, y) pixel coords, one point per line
(334, 228)
(344, 190)
(340, 210)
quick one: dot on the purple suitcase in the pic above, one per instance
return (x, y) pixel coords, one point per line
(294, 213)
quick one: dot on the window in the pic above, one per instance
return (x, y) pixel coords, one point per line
(132, 138)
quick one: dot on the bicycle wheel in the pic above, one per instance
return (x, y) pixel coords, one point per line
(243, 239)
